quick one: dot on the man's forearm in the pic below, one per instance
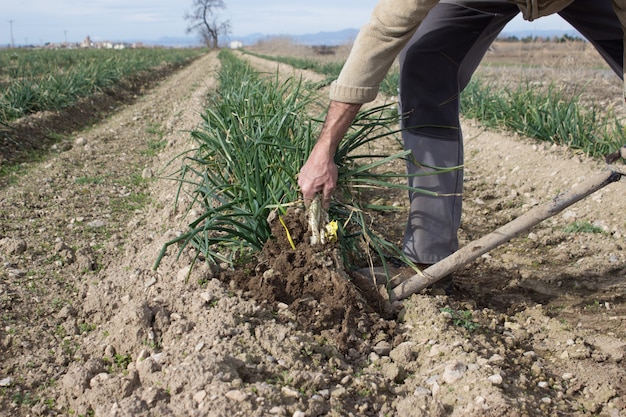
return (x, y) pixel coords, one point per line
(338, 120)
(319, 172)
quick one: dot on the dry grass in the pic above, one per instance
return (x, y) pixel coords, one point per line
(284, 46)
(572, 67)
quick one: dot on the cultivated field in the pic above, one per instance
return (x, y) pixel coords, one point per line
(534, 328)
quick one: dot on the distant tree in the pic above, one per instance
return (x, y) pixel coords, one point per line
(203, 19)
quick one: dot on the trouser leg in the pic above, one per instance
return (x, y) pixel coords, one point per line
(596, 20)
(434, 67)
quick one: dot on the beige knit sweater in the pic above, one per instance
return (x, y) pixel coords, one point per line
(392, 24)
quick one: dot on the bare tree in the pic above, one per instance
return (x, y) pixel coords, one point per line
(204, 20)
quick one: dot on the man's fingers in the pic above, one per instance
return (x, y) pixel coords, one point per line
(326, 197)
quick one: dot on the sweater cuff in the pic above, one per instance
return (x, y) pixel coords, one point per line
(350, 94)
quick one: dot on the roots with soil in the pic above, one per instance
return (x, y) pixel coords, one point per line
(312, 282)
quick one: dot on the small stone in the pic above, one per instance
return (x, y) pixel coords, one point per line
(299, 413)
(147, 366)
(393, 372)
(183, 274)
(236, 395)
(495, 358)
(66, 312)
(403, 353)
(109, 351)
(5, 382)
(81, 141)
(453, 372)
(436, 350)
(382, 348)
(201, 395)
(96, 224)
(269, 274)
(16, 273)
(206, 297)
(569, 215)
(511, 325)
(13, 246)
(99, 379)
(143, 355)
(338, 392)
(147, 173)
(495, 379)
(432, 380)
(289, 392)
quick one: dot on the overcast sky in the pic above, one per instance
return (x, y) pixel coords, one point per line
(38, 21)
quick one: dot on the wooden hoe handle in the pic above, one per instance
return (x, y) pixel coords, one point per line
(502, 235)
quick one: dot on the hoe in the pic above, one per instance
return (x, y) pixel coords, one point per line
(505, 233)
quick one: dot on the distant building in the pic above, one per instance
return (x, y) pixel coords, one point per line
(235, 45)
(87, 43)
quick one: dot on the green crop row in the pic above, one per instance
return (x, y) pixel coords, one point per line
(330, 69)
(255, 135)
(37, 80)
(389, 85)
(545, 114)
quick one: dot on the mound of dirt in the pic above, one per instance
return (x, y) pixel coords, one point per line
(312, 283)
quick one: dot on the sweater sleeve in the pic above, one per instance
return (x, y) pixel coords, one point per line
(391, 26)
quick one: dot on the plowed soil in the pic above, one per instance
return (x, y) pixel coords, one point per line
(534, 328)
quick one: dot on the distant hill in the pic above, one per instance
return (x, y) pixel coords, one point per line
(339, 37)
(321, 38)
(348, 35)
(175, 42)
(546, 34)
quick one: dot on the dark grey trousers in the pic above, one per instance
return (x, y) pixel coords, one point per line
(435, 67)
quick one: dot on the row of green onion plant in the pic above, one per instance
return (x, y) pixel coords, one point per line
(546, 114)
(255, 135)
(389, 85)
(37, 80)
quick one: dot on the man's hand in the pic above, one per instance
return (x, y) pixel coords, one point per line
(319, 173)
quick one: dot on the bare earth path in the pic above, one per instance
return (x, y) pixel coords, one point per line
(535, 328)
